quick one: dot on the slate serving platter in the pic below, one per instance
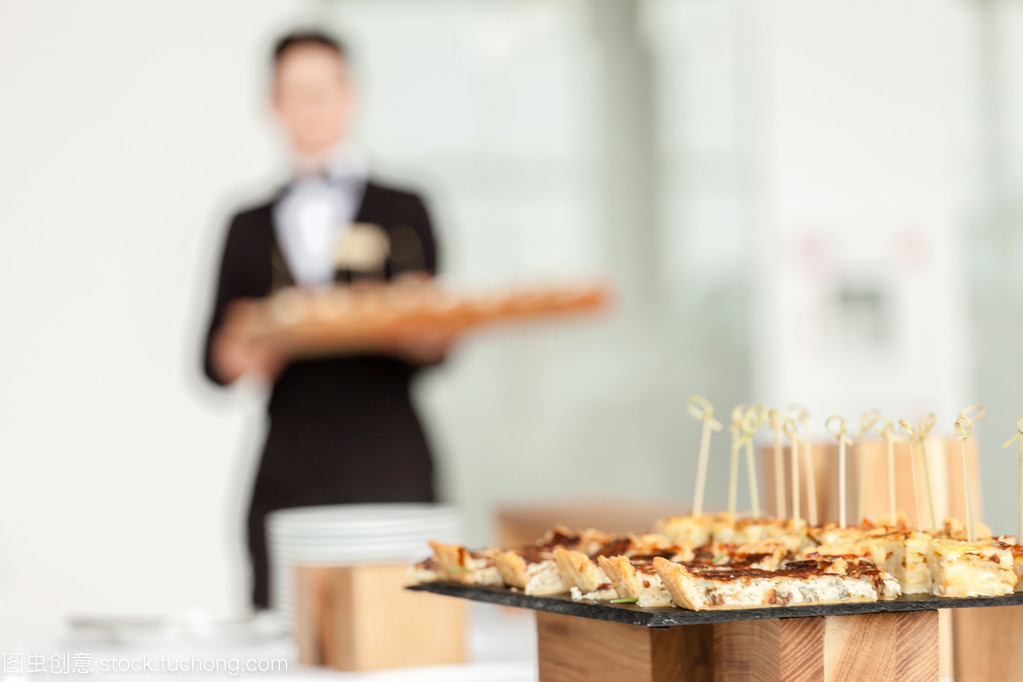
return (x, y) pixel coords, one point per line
(665, 617)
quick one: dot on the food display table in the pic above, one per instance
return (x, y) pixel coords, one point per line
(594, 641)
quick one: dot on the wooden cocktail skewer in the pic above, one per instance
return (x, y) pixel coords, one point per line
(733, 474)
(964, 427)
(777, 422)
(843, 440)
(789, 427)
(866, 426)
(888, 433)
(751, 422)
(1019, 437)
(926, 424)
(698, 406)
(910, 432)
(811, 480)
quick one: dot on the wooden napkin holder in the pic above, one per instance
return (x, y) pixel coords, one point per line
(358, 618)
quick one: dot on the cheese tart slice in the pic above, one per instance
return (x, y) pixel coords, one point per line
(1017, 566)
(766, 554)
(854, 566)
(870, 547)
(534, 570)
(530, 573)
(426, 571)
(751, 588)
(970, 569)
(751, 529)
(582, 575)
(458, 564)
(635, 578)
(585, 578)
(955, 529)
(791, 533)
(906, 559)
(684, 529)
(834, 534)
(722, 528)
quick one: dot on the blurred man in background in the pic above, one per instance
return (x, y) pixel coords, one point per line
(343, 429)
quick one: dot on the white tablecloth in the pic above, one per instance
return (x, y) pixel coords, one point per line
(502, 648)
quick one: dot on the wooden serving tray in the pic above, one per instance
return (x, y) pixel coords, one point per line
(351, 318)
(664, 617)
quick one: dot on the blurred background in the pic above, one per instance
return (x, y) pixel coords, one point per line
(799, 200)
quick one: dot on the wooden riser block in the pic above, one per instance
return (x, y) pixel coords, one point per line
(988, 644)
(882, 646)
(570, 649)
(876, 647)
(362, 618)
(789, 649)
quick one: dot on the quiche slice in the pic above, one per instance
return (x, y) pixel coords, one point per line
(766, 554)
(854, 566)
(834, 534)
(970, 569)
(870, 547)
(791, 531)
(534, 570)
(906, 559)
(684, 529)
(586, 579)
(425, 571)
(723, 529)
(530, 572)
(582, 575)
(635, 578)
(752, 588)
(458, 564)
(954, 529)
(1017, 566)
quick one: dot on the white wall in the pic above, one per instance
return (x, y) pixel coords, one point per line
(127, 131)
(859, 113)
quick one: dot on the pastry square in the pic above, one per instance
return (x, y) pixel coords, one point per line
(970, 569)
(751, 588)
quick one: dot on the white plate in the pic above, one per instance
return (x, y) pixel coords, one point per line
(402, 533)
(352, 535)
(418, 540)
(365, 514)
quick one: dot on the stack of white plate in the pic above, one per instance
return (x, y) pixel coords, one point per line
(350, 534)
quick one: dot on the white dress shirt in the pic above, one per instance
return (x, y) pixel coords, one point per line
(317, 208)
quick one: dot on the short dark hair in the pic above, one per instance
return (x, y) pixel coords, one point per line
(307, 37)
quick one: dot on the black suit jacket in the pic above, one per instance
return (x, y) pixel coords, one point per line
(341, 429)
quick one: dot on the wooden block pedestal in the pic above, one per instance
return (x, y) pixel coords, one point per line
(361, 618)
(877, 647)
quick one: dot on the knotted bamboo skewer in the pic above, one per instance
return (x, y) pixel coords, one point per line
(777, 422)
(803, 417)
(867, 423)
(751, 423)
(910, 432)
(887, 432)
(698, 406)
(1019, 437)
(789, 427)
(964, 424)
(843, 440)
(926, 424)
